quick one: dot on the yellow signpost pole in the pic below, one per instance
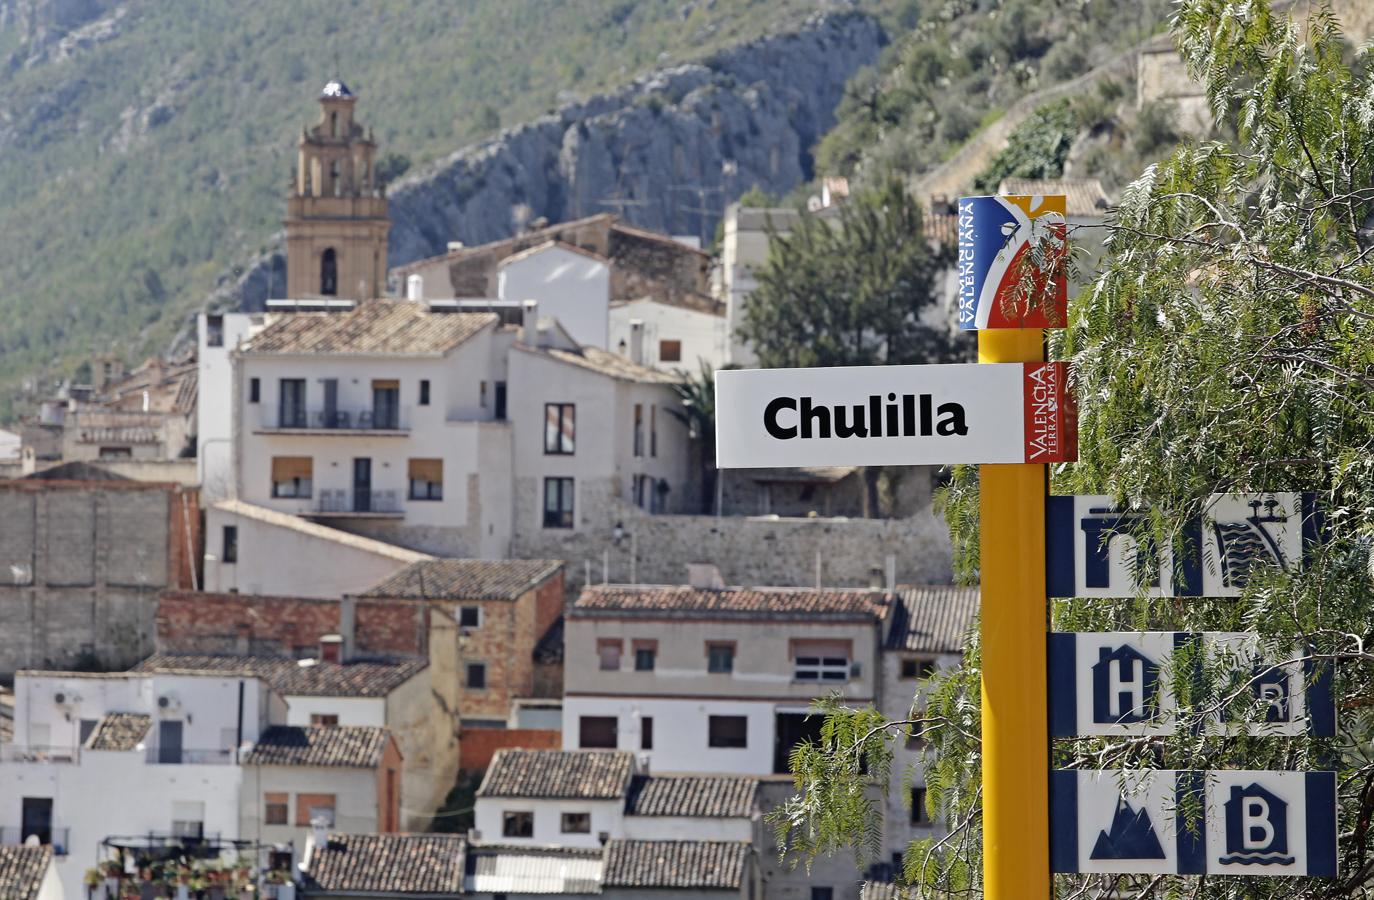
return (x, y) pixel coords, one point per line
(1015, 618)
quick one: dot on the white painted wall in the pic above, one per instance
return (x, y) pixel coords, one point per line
(607, 816)
(899, 697)
(604, 447)
(106, 793)
(683, 828)
(215, 404)
(294, 561)
(350, 710)
(703, 335)
(572, 287)
(355, 800)
(681, 727)
(9, 445)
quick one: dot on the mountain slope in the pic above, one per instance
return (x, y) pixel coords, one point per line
(144, 146)
(666, 152)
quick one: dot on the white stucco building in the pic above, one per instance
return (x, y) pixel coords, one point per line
(440, 432)
(570, 284)
(150, 760)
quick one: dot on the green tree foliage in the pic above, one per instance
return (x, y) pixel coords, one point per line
(1036, 149)
(698, 394)
(1224, 346)
(960, 66)
(855, 291)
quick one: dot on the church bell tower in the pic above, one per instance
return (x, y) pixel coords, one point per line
(336, 222)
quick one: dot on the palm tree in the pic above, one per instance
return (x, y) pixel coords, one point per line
(698, 413)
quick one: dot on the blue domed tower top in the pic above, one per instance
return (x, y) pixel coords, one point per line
(336, 88)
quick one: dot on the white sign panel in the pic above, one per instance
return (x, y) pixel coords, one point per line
(894, 415)
(1255, 823)
(1118, 684)
(1093, 549)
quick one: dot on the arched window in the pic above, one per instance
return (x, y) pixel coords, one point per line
(335, 186)
(329, 273)
(333, 124)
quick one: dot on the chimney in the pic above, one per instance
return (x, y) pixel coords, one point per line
(637, 341)
(415, 286)
(529, 323)
(319, 831)
(891, 573)
(704, 576)
(331, 648)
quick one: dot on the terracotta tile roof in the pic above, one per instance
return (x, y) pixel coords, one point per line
(540, 235)
(357, 678)
(675, 864)
(389, 864)
(606, 363)
(466, 579)
(688, 795)
(932, 618)
(563, 774)
(22, 870)
(377, 327)
(533, 870)
(351, 746)
(731, 602)
(119, 731)
(1083, 196)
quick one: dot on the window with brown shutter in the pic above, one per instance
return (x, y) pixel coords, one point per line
(291, 476)
(596, 732)
(426, 479)
(670, 351)
(275, 808)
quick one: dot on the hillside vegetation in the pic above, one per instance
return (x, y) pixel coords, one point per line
(146, 147)
(964, 63)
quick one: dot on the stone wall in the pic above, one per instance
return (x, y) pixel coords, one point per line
(81, 566)
(748, 550)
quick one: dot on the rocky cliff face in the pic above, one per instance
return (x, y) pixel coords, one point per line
(667, 152)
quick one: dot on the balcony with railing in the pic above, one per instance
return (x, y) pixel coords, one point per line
(38, 753)
(57, 838)
(343, 503)
(376, 421)
(173, 756)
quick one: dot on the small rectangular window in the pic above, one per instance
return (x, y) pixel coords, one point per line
(653, 430)
(720, 657)
(314, 806)
(477, 676)
(482, 394)
(919, 816)
(646, 733)
(670, 351)
(87, 726)
(291, 403)
(559, 428)
(596, 732)
(214, 331)
(426, 479)
(291, 476)
(728, 731)
(608, 651)
(470, 617)
(576, 823)
(639, 430)
(188, 818)
(916, 668)
(254, 390)
(822, 893)
(815, 660)
(275, 808)
(229, 552)
(324, 720)
(424, 392)
(517, 824)
(646, 653)
(558, 503)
